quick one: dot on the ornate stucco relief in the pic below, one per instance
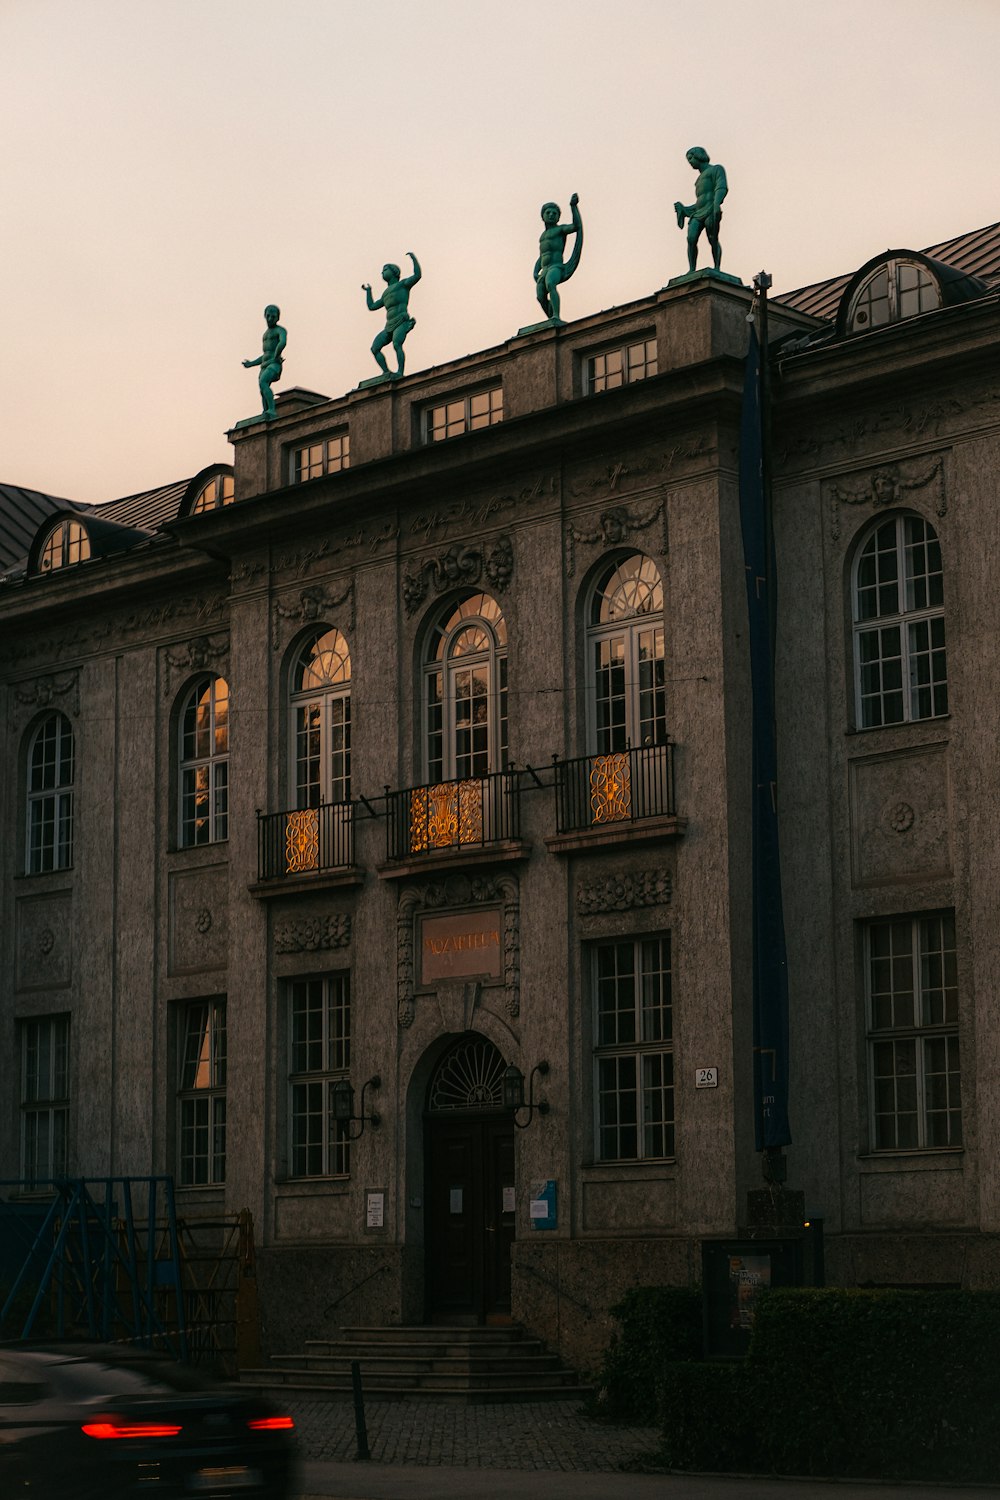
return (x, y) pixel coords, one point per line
(198, 921)
(624, 892)
(614, 527)
(154, 623)
(202, 654)
(459, 564)
(43, 941)
(312, 934)
(57, 690)
(458, 891)
(887, 484)
(901, 824)
(314, 603)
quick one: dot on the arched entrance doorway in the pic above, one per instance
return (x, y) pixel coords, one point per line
(469, 1186)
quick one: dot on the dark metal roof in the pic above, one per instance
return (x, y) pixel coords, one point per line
(147, 509)
(21, 513)
(975, 253)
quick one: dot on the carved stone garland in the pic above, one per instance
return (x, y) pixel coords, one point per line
(888, 484)
(459, 890)
(624, 892)
(313, 603)
(614, 528)
(459, 564)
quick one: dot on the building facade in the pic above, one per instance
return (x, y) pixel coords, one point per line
(413, 748)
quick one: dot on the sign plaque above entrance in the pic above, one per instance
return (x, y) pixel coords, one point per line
(461, 945)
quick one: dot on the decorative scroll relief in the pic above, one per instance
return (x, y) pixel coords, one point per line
(62, 689)
(313, 603)
(302, 841)
(459, 891)
(611, 788)
(114, 629)
(447, 814)
(312, 934)
(889, 484)
(624, 892)
(651, 467)
(613, 528)
(202, 654)
(459, 564)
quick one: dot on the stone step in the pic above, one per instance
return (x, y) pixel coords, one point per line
(421, 1333)
(457, 1364)
(334, 1390)
(374, 1378)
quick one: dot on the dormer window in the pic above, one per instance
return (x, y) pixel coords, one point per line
(216, 493)
(897, 289)
(464, 414)
(66, 544)
(614, 367)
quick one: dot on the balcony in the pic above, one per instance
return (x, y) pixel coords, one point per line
(309, 841)
(452, 818)
(627, 795)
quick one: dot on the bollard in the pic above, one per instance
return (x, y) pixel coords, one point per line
(359, 1410)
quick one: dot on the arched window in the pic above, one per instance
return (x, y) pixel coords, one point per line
(66, 544)
(204, 763)
(321, 720)
(626, 662)
(897, 289)
(50, 796)
(899, 649)
(216, 493)
(465, 691)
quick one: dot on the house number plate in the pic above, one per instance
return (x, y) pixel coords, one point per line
(706, 1078)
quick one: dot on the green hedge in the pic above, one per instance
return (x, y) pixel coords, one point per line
(862, 1384)
(659, 1325)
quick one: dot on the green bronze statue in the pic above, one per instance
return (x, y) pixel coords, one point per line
(270, 360)
(550, 268)
(398, 323)
(705, 213)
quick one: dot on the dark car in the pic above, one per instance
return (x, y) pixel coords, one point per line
(77, 1423)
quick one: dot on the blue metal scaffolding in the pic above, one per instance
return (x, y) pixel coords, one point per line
(100, 1260)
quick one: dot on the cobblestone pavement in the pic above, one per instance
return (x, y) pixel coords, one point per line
(513, 1435)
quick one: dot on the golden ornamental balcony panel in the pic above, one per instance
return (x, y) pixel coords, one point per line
(302, 841)
(611, 788)
(447, 814)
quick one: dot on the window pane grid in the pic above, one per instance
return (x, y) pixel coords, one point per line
(465, 414)
(204, 767)
(44, 1097)
(617, 367)
(319, 1013)
(327, 456)
(901, 660)
(50, 797)
(634, 1061)
(201, 1095)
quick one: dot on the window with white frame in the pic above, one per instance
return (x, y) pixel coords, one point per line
(319, 1055)
(51, 773)
(897, 289)
(615, 367)
(44, 1098)
(66, 544)
(321, 720)
(625, 642)
(213, 495)
(465, 691)
(901, 667)
(912, 985)
(464, 414)
(328, 455)
(201, 1097)
(204, 763)
(630, 982)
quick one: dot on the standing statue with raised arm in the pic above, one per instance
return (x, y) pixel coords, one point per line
(398, 323)
(705, 213)
(270, 361)
(550, 268)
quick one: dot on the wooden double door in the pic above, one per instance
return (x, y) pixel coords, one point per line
(469, 1187)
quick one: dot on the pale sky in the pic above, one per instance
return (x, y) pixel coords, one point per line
(171, 166)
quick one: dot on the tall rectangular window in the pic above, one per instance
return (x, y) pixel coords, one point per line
(319, 1054)
(633, 1052)
(44, 1097)
(464, 414)
(616, 367)
(202, 1094)
(326, 456)
(912, 984)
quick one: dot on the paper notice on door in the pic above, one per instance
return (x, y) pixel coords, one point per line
(455, 1201)
(508, 1200)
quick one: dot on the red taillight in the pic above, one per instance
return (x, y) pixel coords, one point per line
(270, 1424)
(112, 1428)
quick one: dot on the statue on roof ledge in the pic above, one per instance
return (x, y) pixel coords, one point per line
(550, 268)
(398, 323)
(705, 213)
(270, 361)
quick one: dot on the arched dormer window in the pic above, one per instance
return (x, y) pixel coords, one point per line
(895, 290)
(625, 646)
(320, 703)
(900, 663)
(204, 763)
(67, 543)
(51, 774)
(213, 495)
(465, 691)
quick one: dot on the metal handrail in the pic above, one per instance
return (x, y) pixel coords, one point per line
(306, 840)
(355, 1288)
(554, 1286)
(623, 786)
(462, 813)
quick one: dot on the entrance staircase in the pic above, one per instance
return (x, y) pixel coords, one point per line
(478, 1366)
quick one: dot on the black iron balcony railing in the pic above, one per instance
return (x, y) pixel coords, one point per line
(305, 841)
(621, 787)
(478, 810)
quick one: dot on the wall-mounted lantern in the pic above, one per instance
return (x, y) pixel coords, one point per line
(513, 1093)
(343, 1106)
